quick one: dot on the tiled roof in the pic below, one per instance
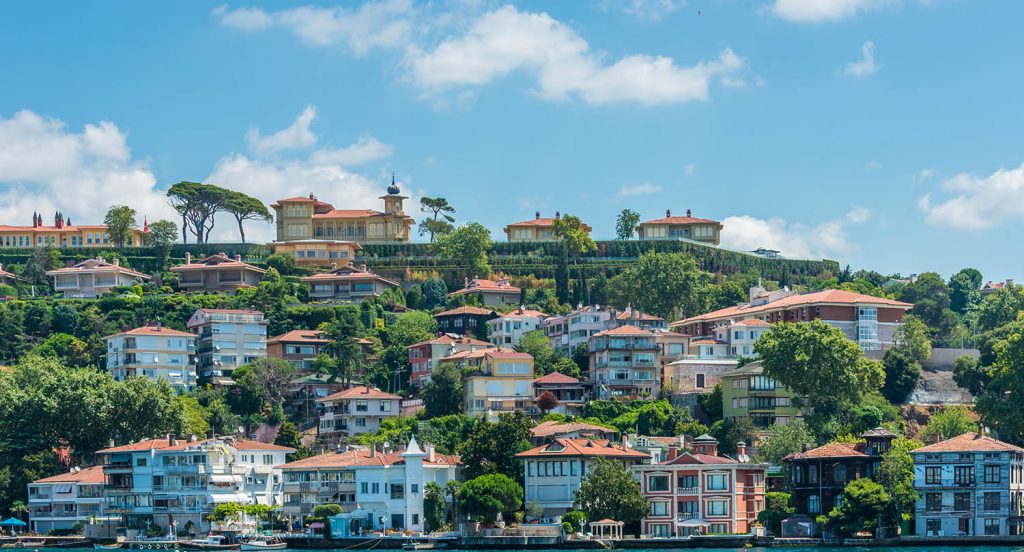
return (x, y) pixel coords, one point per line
(828, 296)
(328, 460)
(749, 369)
(551, 427)
(347, 272)
(555, 377)
(625, 330)
(830, 450)
(524, 313)
(300, 336)
(708, 342)
(697, 458)
(481, 284)
(182, 444)
(753, 322)
(220, 260)
(448, 339)
(395, 458)
(96, 265)
(348, 213)
(491, 352)
(582, 447)
(360, 392)
(93, 474)
(679, 220)
(155, 331)
(970, 442)
(543, 222)
(632, 314)
(467, 309)
(297, 199)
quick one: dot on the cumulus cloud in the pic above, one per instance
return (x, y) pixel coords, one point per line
(45, 167)
(858, 215)
(978, 202)
(507, 40)
(366, 150)
(296, 136)
(645, 188)
(865, 66)
(381, 24)
(796, 240)
(646, 10)
(873, 165)
(816, 11)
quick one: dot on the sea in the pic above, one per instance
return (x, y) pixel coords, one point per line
(986, 548)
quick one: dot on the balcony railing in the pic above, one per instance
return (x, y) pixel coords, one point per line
(683, 516)
(688, 490)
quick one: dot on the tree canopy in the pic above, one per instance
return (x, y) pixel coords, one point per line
(120, 222)
(466, 246)
(609, 491)
(626, 223)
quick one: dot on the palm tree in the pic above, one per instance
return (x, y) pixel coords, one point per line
(18, 507)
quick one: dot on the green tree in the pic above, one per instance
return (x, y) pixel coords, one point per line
(864, 503)
(441, 219)
(626, 223)
(576, 519)
(896, 475)
(492, 446)
(120, 222)
(609, 491)
(784, 440)
(664, 284)
(344, 351)
(576, 242)
(466, 246)
(485, 496)
(266, 378)
(67, 348)
(198, 205)
(244, 207)
(969, 374)
(162, 235)
(965, 290)
(1000, 308)
(411, 327)
(930, 297)
(951, 421)
(41, 260)
(777, 507)
(538, 345)
(1002, 398)
(435, 292)
(444, 393)
(433, 507)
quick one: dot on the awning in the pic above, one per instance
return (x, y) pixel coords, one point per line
(223, 498)
(262, 499)
(694, 522)
(225, 478)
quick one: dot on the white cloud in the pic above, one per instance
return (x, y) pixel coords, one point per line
(381, 24)
(690, 169)
(873, 165)
(796, 240)
(647, 10)
(506, 40)
(45, 167)
(296, 136)
(978, 202)
(366, 150)
(645, 188)
(866, 65)
(922, 175)
(858, 215)
(816, 11)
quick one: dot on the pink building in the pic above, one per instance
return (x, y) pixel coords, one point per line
(425, 356)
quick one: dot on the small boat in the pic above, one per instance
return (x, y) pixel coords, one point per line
(260, 544)
(211, 542)
(31, 544)
(115, 546)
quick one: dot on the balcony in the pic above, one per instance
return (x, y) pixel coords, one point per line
(683, 516)
(113, 467)
(688, 490)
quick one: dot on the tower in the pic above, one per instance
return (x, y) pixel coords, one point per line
(393, 201)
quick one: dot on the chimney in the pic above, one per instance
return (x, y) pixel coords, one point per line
(110, 443)
(806, 447)
(362, 267)
(741, 452)
(936, 438)
(673, 452)
(238, 257)
(706, 446)
(668, 213)
(193, 438)
(311, 196)
(536, 215)
(981, 429)
(431, 454)
(625, 441)
(687, 212)
(558, 214)
(467, 282)
(188, 258)
(373, 450)
(117, 262)
(171, 441)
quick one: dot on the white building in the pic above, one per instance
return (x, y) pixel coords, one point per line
(181, 480)
(62, 501)
(508, 329)
(94, 277)
(569, 330)
(354, 411)
(153, 352)
(227, 339)
(389, 485)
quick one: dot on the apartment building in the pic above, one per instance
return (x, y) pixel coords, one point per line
(425, 356)
(553, 472)
(566, 331)
(970, 485)
(317, 252)
(544, 432)
(94, 277)
(687, 228)
(217, 273)
(298, 347)
(509, 328)
(868, 321)
(180, 481)
(154, 352)
(818, 476)
(690, 375)
(348, 283)
(748, 393)
(638, 319)
(501, 380)
(490, 293)
(701, 492)
(571, 393)
(354, 411)
(536, 229)
(328, 478)
(623, 363)
(60, 502)
(304, 218)
(466, 320)
(227, 339)
(61, 234)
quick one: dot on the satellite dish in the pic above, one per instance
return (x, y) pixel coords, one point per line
(241, 429)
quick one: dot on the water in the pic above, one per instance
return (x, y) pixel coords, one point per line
(987, 548)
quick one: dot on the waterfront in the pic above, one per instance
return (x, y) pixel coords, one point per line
(913, 548)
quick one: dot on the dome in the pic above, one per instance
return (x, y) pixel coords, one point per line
(393, 188)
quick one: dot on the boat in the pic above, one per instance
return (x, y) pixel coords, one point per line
(260, 544)
(211, 542)
(31, 543)
(115, 546)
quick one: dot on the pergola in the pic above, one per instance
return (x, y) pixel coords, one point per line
(607, 529)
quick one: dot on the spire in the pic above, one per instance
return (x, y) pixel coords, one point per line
(145, 223)
(393, 188)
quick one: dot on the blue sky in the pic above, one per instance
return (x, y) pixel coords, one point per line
(882, 133)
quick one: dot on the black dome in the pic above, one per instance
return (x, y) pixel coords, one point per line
(393, 188)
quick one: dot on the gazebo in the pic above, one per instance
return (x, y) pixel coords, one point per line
(607, 529)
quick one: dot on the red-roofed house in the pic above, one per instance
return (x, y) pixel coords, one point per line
(425, 356)
(570, 392)
(535, 229)
(688, 227)
(624, 363)
(8, 278)
(509, 328)
(356, 410)
(154, 352)
(493, 293)
(317, 252)
(298, 347)
(552, 473)
(546, 431)
(502, 381)
(969, 485)
(217, 273)
(94, 277)
(638, 319)
(61, 234)
(465, 320)
(304, 218)
(347, 283)
(63, 500)
(701, 490)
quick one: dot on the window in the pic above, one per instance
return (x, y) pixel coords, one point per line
(414, 488)
(717, 482)
(700, 381)
(364, 487)
(657, 483)
(717, 508)
(992, 474)
(932, 475)
(963, 475)
(385, 406)
(814, 504)
(991, 502)
(658, 509)
(933, 526)
(991, 526)
(360, 422)
(361, 406)
(933, 502)
(961, 502)
(140, 462)
(839, 474)
(415, 519)
(376, 488)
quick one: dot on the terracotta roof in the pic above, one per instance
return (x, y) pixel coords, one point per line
(360, 392)
(970, 442)
(448, 339)
(328, 460)
(555, 377)
(395, 458)
(220, 260)
(582, 447)
(523, 313)
(153, 330)
(551, 427)
(543, 222)
(297, 199)
(93, 474)
(625, 330)
(696, 458)
(347, 272)
(96, 265)
(348, 213)
(492, 352)
(679, 220)
(467, 309)
(828, 296)
(481, 284)
(632, 314)
(300, 336)
(752, 322)
(708, 342)
(182, 444)
(246, 444)
(830, 450)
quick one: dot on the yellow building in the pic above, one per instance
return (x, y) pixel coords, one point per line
(305, 218)
(61, 234)
(317, 252)
(501, 382)
(537, 229)
(688, 227)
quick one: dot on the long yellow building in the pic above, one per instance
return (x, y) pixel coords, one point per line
(61, 234)
(307, 218)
